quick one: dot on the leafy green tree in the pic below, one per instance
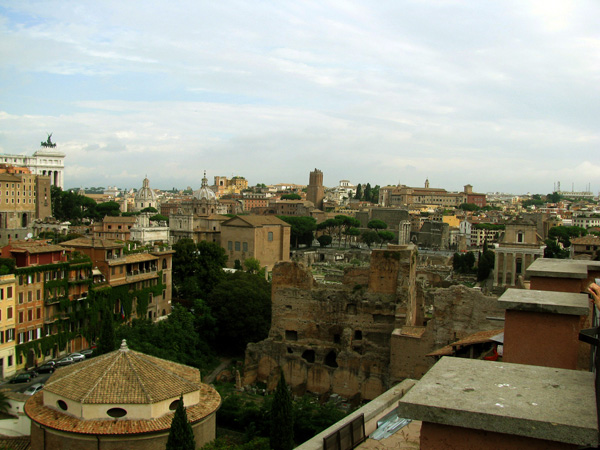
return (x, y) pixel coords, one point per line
(302, 229)
(345, 223)
(463, 263)
(457, 262)
(108, 209)
(330, 226)
(554, 250)
(184, 337)
(377, 225)
(310, 418)
(324, 240)
(70, 206)
(282, 418)
(291, 197)
(564, 234)
(159, 218)
(352, 232)
(555, 197)
(375, 194)
(468, 207)
(252, 265)
(181, 435)
(197, 268)
(469, 261)
(107, 342)
(386, 236)
(149, 209)
(204, 322)
(486, 263)
(241, 304)
(370, 237)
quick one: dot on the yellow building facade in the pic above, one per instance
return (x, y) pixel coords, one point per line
(8, 363)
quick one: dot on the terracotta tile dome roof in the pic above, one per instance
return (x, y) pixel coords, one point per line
(123, 376)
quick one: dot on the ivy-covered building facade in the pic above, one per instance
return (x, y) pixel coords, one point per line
(139, 281)
(62, 292)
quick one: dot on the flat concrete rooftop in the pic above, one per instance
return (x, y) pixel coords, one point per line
(537, 402)
(545, 302)
(561, 268)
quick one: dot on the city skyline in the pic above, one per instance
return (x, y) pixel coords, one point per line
(500, 96)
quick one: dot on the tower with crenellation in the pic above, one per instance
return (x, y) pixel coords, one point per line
(315, 192)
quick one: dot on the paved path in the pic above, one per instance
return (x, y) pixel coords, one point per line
(211, 376)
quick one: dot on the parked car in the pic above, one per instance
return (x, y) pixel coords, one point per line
(33, 389)
(25, 377)
(88, 353)
(65, 361)
(47, 367)
(77, 357)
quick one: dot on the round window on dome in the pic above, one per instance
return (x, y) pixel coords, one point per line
(62, 405)
(173, 405)
(116, 412)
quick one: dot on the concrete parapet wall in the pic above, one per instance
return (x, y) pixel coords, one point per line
(372, 411)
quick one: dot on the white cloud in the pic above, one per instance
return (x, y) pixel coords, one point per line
(502, 96)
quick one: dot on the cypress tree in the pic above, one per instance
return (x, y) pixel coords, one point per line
(181, 436)
(358, 195)
(106, 343)
(282, 419)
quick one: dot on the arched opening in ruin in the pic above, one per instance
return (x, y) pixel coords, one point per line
(289, 350)
(358, 335)
(331, 359)
(309, 356)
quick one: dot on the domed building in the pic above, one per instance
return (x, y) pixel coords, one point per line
(207, 199)
(123, 399)
(199, 219)
(145, 197)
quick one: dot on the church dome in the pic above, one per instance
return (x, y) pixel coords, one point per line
(145, 194)
(145, 197)
(205, 193)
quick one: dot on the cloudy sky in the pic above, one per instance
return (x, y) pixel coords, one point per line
(504, 95)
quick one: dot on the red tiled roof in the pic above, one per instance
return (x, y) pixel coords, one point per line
(476, 338)
(123, 377)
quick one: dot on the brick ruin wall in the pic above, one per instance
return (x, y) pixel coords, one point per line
(354, 338)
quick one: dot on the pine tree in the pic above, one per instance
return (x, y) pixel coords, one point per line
(106, 343)
(181, 436)
(282, 420)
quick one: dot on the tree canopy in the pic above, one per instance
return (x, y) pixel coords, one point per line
(302, 229)
(197, 268)
(185, 336)
(241, 305)
(468, 207)
(377, 224)
(72, 207)
(370, 237)
(291, 197)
